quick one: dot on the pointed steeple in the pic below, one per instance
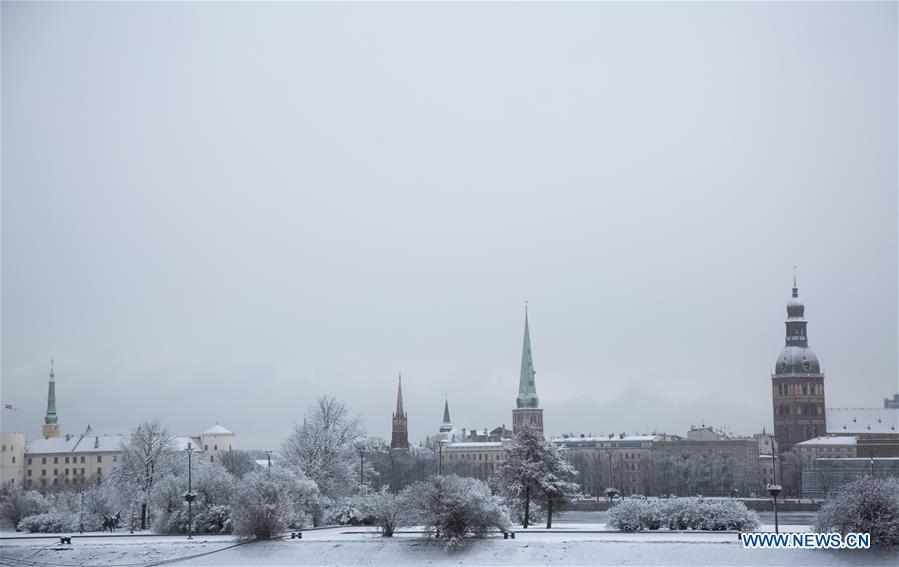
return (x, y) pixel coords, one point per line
(400, 437)
(51, 425)
(527, 389)
(446, 417)
(399, 399)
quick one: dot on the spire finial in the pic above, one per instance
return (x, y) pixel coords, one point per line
(795, 287)
(51, 367)
(525, 306)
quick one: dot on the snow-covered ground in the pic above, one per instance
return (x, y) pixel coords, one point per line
(573, 545)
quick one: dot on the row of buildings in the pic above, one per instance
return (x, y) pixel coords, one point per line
(60, 460)
(819, 437)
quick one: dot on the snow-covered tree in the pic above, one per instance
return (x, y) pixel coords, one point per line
(535, 468)
(385, 508)
(238, 463)
(323, 449)
(146, 456)
(454, 507)
(868, 505)
(17, 503)
(271, 501)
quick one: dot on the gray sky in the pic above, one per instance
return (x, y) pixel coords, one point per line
(217, 212)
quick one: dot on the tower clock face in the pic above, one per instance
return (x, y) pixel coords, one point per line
(806, 365)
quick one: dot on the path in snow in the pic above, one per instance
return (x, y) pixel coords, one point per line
(361, 546)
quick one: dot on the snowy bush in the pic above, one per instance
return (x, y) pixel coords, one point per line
(17, 503)
(679, 514)
(214, 520)
(385, 510)
(652, 516)
(454, 507)
(696, 514)
(349, 512)
(627, 515)
(271, 501)
(868, 505)
(723, 515)
(49, 522)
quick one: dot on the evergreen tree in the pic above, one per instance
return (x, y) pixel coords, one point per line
(534, 468)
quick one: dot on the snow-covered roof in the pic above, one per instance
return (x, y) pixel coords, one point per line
(846, 440)
(603, 438)
(217, 430)
(76, 444)
(862, 420)
(180, 443)
(476, 444)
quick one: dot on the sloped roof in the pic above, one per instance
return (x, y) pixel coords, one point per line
(862, 420)
(76, 444)
(843, 440)
(217, 430)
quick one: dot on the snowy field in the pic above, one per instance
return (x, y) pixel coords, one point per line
(571, 544)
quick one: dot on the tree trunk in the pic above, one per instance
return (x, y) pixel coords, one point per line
(549, 512)
(143, 516)
(527, 507)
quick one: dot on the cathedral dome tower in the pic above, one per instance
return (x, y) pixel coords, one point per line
(797, 382)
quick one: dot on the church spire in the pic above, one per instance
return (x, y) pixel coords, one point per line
(400, 437)
(399, 398)
(51, 425)
(526, 412)
(446, 417)
(527, 389)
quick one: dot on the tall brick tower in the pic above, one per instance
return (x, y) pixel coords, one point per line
(797, 384)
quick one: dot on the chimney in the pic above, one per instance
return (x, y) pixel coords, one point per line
(96, 442)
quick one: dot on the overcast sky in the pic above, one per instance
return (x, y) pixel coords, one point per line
(218, 212)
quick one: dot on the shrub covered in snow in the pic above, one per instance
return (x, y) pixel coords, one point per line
(684, 513)
(271, 501)
(385, 509)
(349, 512)
(17, 503)
(868, 505)
(49, 522)
(627, 515)
(454, 507)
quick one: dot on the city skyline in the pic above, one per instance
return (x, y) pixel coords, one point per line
(320, 196)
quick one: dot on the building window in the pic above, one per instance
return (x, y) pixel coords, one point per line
(55, 472)
(29, 460)
(55, 460)
(205, 447)
(43, 460)
(99, 458)
(82, 460)
(29, 472)
(215, 447)
(99, 471)
(67, 460)
(115, 458)
(14, 459)
(67, 472)
(43, 472)
(211, 458)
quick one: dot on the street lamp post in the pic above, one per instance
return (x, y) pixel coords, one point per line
(189, 496)
(361, 467)
(774, 490)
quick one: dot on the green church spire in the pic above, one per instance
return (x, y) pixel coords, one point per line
(527, 389)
